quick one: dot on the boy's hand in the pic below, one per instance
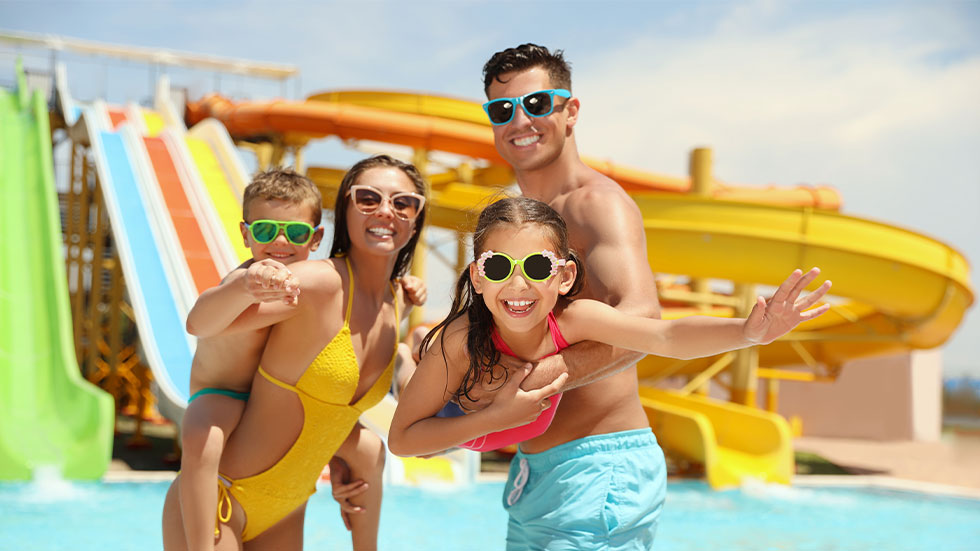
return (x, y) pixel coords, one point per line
(344, 489)
(414, 289)
(785, 310)
(269, 281)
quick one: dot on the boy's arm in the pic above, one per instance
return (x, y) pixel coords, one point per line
(618, 273)
(217, 308)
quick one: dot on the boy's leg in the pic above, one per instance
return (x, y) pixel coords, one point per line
(404, 369)
(364, 455)
(208, 422)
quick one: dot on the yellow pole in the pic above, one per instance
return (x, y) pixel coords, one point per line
(701, 184)
(420, 158)
(745, 368)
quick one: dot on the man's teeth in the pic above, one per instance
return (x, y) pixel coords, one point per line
(381, 231)
(526, 141)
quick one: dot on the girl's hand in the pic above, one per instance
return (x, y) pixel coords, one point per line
(785, 310)
(270, 281)
(415, 290)
(513, 407)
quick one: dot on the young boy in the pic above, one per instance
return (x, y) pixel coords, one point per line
(281, 212)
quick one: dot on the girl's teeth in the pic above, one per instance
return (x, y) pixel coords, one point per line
(381, 231)
(519, 306)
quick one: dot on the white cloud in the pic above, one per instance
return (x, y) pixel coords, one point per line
(880, 104)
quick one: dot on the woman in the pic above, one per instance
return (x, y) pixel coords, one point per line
(329, 357)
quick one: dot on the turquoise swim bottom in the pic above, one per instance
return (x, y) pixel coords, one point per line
(243, 396)
(604, 491)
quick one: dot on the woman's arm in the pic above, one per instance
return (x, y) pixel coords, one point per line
(697, 336)
(415, 430)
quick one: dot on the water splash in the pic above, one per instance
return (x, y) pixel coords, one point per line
(767, 491)
(48, 485)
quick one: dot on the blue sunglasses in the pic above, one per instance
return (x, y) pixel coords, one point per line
(536, 104)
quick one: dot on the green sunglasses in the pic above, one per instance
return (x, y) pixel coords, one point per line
(498, 267)
(266, 231)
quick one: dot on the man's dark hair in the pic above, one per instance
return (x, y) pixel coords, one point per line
(524, 57)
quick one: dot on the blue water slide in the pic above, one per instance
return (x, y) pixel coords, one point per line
(152, 290)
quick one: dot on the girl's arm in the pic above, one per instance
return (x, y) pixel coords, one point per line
(697, 336)
(415, 430)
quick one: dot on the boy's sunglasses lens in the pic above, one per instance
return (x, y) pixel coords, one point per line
(538, 105)
(298, 234)
(500, 111)
(537, 267)
(264, 232)
(497, 267)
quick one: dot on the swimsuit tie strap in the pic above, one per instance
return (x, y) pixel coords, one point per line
(224, 508)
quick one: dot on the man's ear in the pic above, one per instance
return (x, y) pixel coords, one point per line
(476, 279)
(567, 275)
(571, 113)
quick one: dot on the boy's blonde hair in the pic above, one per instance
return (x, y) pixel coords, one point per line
(284, 184)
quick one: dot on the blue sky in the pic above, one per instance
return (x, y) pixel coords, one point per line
(878, 99)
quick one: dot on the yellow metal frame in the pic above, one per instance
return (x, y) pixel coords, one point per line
(106, 342)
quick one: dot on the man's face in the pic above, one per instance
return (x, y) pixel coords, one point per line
(530, 143)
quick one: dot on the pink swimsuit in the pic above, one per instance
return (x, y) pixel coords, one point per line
(500, 439)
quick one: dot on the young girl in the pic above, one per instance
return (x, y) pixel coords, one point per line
(514, 300)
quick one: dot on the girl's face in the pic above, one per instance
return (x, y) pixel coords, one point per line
(520, 303)
(381, 231)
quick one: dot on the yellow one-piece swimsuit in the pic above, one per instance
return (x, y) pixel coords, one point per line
(325, 390)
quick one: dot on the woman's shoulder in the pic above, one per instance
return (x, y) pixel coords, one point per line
(318, 275)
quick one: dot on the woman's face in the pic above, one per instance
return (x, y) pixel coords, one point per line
(380, 232)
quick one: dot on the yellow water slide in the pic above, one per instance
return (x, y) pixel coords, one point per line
(895, 289)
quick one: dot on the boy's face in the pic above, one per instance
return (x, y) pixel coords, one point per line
(531, 143)
(280, 248)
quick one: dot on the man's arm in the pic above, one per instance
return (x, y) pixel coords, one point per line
(613, 249)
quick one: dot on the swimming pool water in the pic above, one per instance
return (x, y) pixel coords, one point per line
(90, 516)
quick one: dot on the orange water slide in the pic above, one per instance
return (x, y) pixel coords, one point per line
(299, 121)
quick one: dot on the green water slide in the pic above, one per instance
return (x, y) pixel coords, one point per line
(50, 417)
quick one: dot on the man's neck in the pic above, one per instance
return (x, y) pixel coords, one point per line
(557, 178)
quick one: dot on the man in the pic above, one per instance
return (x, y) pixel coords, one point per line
(596, 478)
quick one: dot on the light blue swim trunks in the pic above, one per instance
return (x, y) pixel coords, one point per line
(599, 492)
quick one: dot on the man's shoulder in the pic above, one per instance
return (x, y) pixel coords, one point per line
(596, 200)
(594, 186)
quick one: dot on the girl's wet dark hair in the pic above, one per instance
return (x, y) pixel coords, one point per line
(341, 237)
(483, 355)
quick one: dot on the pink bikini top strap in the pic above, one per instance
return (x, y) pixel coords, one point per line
(556, 337)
